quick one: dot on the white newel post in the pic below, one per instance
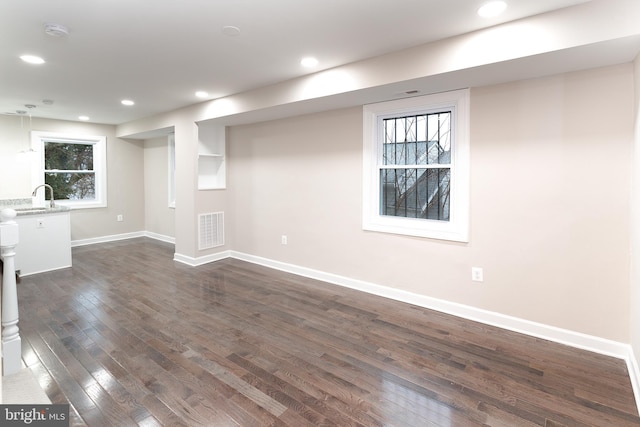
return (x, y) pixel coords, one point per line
(11, 345)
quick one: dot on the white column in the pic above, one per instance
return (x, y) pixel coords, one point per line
(11, 343)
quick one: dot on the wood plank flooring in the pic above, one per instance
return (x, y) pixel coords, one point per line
(129, 337)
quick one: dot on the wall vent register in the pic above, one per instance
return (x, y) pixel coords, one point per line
(210, 230)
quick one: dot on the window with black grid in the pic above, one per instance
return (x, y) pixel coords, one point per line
(416, 166)
(415, 174)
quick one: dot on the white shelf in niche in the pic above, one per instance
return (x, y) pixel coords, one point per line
(211, 172)
(211, 157)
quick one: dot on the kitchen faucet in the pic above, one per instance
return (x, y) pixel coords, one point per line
(53, 205)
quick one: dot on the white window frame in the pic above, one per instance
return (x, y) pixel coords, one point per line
(38, 138)
(457, 227)
(171, 146)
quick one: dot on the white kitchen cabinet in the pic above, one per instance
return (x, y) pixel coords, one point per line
(44, 242)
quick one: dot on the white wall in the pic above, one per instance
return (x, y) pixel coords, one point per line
(550, 185)
(125, 181)
(564, 40)
(159, 218)
(634, 301)
(137, 175)
(554, 246)
(15, 169)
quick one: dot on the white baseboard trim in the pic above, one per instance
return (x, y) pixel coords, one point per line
(539, 330)
(124, 236)
(161, 237)
(106, 239)
(194, 262)
(551, 333)
(563, 336)
(634, 374)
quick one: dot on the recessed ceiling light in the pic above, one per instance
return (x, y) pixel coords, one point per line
(127, 102)
(492, 8)
(309, 62)
(31, 59)
(83, 118)
(202, 94)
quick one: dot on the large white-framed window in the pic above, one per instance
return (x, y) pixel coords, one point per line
(74, 165)
(416, 166)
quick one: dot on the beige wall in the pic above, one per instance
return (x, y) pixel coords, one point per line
(550, 198)
(635, 224)
(15, 169)
(125, 192)
(550, 185)
(136, 172)
(550, 205)
(159, 218)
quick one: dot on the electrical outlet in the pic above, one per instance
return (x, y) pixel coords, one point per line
(477, 275)
(120, 218)
(283, 239)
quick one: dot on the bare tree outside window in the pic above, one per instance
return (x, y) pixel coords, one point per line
(69, 170)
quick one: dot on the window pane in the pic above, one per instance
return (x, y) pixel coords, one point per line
(416, 193)
(439, 132)
(72, 186)
(423, 139)
(65, 156)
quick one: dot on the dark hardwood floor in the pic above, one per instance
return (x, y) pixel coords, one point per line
(129, 337)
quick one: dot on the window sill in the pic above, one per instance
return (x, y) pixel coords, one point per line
(81, 205)
(419, 228)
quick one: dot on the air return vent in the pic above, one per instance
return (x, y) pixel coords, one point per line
(210, 230)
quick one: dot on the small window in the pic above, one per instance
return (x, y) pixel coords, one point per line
(416, 161)
(74, 166)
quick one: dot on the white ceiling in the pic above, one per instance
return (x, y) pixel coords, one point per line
(159, 52)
